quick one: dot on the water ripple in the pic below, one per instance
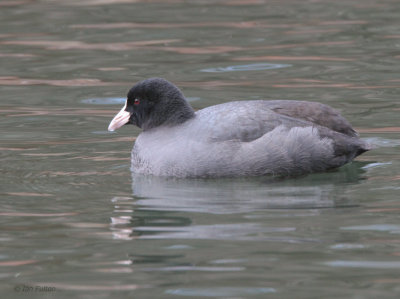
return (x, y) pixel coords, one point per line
(377, 164)
(365, 264)
(347, 246)
(220, 291)
(382, 142)
(391, 228)
(104, 101)
(246, 67)
(195, 268)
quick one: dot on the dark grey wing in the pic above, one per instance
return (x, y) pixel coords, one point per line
(314, 112)
(248, 123)
(243, 121)
(329, 123)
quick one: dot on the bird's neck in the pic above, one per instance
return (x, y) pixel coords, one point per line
(177, 112)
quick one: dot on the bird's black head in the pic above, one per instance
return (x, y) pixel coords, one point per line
(151, 103)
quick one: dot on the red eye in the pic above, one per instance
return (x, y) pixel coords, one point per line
(136, 102)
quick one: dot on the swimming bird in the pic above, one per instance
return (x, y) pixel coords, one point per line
(240, 138)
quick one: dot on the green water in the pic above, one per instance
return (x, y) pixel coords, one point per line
(74, 223)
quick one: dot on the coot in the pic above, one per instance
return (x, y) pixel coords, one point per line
(241, 138)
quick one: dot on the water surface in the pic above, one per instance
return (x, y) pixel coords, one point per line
(75, 223)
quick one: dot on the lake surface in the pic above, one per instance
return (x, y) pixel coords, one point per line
(74, 223)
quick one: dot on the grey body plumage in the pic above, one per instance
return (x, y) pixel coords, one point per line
(242, 138)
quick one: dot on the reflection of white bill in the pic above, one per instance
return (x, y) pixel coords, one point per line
(147, 215)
